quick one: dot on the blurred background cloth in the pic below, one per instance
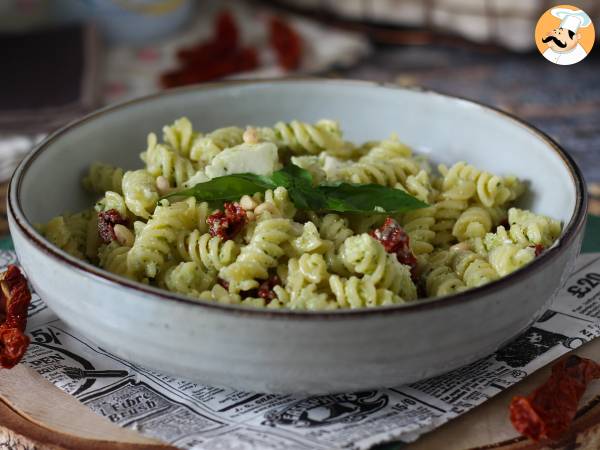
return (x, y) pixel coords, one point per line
(67, 57)
(508, 23)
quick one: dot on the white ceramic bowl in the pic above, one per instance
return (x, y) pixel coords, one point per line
(282, 351)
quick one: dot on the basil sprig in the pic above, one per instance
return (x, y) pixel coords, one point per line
(336, 196)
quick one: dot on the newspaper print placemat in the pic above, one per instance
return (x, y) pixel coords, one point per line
(190, 415)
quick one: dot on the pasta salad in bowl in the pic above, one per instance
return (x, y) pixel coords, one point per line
(301, 236)
(294, 216)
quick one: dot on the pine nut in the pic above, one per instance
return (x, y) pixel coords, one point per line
(247, 203)
(250, 136)
(163, 186)
(123, 235)
(461, 246)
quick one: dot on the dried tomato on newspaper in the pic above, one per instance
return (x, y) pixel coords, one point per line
(548, 411)
(395, 240)
(14, 301)
(228, 223)
(287, 43)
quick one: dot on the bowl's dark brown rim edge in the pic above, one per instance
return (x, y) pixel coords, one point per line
(570, 231)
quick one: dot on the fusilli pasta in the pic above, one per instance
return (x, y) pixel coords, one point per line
(264, 251)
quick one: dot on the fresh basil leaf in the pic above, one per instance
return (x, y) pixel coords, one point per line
(336, 196)
(368, 199)
(227, 188)
(308, 198)
(292, 176)
(298, 182)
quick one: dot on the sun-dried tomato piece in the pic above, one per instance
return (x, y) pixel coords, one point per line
(228, 223)
(395, 240)
(548, 412)
(226, 30)
(241, 60)
(218, 57)
(539, 249)
(225, 40)
(13, 345)
(407, 258)
(106, 224)
(265, 290)
(287, 43)
(14, 301)
(391, 235)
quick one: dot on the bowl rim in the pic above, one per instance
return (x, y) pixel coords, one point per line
(569, 234)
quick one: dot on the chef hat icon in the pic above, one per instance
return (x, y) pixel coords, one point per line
(571, 19)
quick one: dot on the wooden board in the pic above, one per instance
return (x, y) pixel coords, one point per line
(36, 414)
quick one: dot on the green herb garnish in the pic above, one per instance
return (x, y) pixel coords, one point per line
(338, 197)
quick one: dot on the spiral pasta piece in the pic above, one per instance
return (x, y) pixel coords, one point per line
(440, 278)
(210, 254)
(528, 228)
(310, 298)
(447, 212)
(210, 145)
(313, 268)
(180, 136)
(472, 268)
(356, 292)
(112, 200)
(301, 282)
(220, 295)
(261, 254)
(301, 137)
(498, 214)
(464, 181)
(310, 241)
(387, 149)
(140, 193)
(419, 186)
(161, 161)
(70, 232)
(418, 225)
(459, 170)
(188, 278)
(491, 190)
(156, 242)
(507, 258)
(103, 177)
(334, 228)
(276, 203)
(473, 222)
(364, 255)
(113, 257)
(390, 173)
